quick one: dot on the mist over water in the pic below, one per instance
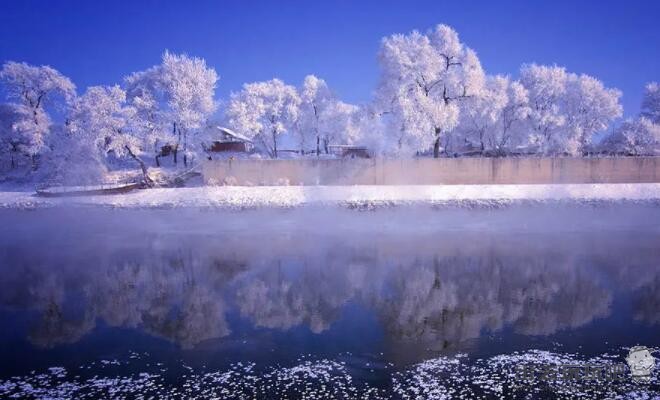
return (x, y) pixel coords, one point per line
(380, 290)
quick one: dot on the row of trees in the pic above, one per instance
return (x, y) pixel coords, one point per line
(435, 94)
(161, 105)
(433, 98)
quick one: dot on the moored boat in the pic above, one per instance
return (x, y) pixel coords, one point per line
(65, 191)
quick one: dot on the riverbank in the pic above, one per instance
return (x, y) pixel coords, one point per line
(235, 197)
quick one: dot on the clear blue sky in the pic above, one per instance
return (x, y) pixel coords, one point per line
(99, 42)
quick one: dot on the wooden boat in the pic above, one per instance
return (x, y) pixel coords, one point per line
(66, 191)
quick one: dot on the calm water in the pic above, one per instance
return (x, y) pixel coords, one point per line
(264, 304)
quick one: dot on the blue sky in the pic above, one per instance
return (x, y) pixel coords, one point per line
(99, 42)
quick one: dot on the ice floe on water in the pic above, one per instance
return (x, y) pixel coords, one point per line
(500, 377)
(457, 377)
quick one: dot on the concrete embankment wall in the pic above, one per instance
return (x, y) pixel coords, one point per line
(429, 171)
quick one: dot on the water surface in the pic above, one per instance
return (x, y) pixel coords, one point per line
(337, 304)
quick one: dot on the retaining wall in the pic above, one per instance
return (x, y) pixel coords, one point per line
(428, 171)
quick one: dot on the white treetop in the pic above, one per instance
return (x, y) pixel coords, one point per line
(546, 87)
(32, 90)
(264, 111)
(12, 142)
(176, 96)
(590, 108)
(316, 105)
(367, 128)
(492, 119)
(423, 78)
(567, 109)
(104, 123)
(640, 136)
(651, 103)
(339, 124)
(635, 137)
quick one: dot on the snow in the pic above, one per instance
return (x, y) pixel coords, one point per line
(239, 197)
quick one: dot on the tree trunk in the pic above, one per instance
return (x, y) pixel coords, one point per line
(274, 145)
(436, 147)
(318, 145)
(176, 147)
(185, 148)
(145, 175)
(436, 144)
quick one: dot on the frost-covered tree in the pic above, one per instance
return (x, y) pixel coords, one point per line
(635, 137)
(366, 127)
(176, 96)
(424, 77)
(316, 103)
(102, 120)
(324, 119)
(510, 130)
(567, 109)
(493, 118)
(590, 108)
(11, 140)
(340, 124)
(264, 111)
(33, 92)
(639, 136)
(546, 87)
(651, 103)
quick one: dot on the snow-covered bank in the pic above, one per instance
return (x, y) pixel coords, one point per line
(234, 197)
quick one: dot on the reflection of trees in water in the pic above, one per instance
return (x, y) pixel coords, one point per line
(449, 299)
(169, 293)
(312, 294)
(646, 301)
(164, 298)
(181, 290)
(55, 328)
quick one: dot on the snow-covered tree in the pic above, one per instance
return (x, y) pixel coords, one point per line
(33, 92)
(103, 122)
(639, 136)
(339, 124)
(316, 102)
(567, 109)
(651, 103)
(492, 119)
(511, 130)
(264, 111)
(176, 96)
(590, 108)
(546, 87)
(11, 140)
(324, 119)
(424, 76)
(635, 137)
(367, 128)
